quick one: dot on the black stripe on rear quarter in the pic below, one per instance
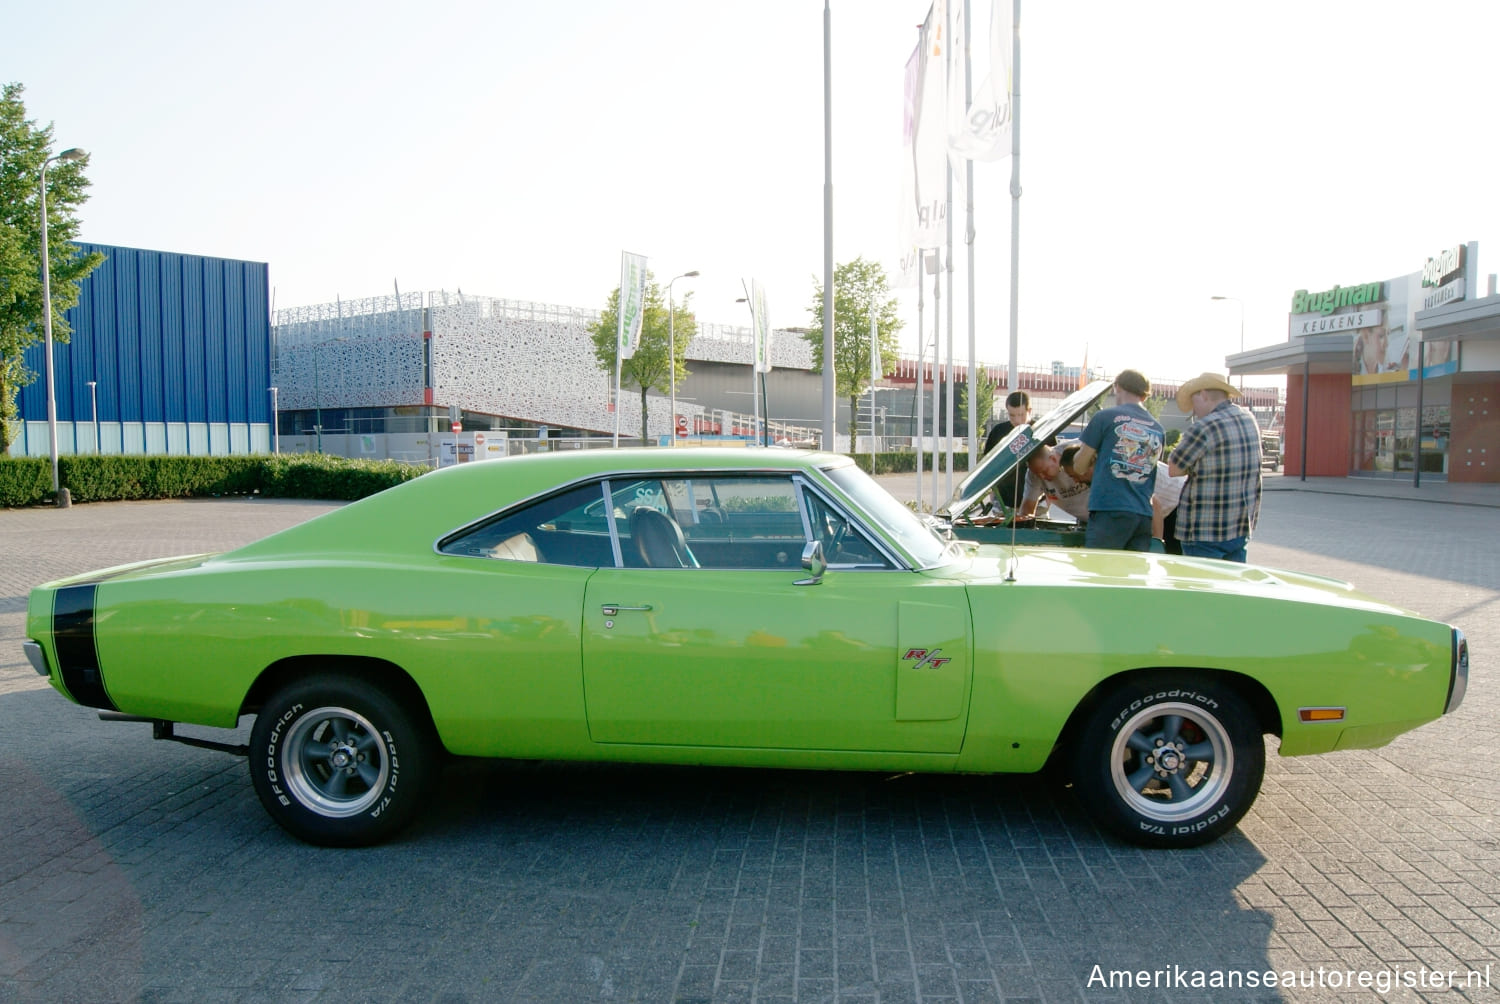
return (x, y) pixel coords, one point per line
(73, 637)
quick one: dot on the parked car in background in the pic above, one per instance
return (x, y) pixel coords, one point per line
(1270, 452)
(757, 607)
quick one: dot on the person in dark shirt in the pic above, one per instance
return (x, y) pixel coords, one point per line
(1017, 412)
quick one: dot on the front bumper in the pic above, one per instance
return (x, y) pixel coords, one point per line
(1458, 682)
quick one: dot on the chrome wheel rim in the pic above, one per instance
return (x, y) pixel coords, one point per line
(1171, 761)
(336, 762)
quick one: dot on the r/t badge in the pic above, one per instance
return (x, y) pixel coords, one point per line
(928, 658)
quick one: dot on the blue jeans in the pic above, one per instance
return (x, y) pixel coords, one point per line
(1121, 531)
(1229, 550)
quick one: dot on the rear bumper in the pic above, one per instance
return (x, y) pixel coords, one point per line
(36, 657)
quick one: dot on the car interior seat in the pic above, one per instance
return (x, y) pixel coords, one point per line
(520, 547)
(658, 539)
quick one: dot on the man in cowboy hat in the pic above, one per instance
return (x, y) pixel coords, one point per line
(1220, 454)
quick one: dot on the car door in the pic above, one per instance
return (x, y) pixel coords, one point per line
(743, 651)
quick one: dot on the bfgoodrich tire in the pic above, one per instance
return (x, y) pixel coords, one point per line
(339, 762)
(1169, 761)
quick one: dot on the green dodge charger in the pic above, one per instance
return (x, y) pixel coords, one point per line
(752, 607)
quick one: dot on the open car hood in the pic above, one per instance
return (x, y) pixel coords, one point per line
(1008, 454)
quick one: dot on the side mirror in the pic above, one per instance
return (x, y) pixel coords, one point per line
(814, 562)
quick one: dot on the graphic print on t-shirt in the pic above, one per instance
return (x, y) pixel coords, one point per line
(1137, 448)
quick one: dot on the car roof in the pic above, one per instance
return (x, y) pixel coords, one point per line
(411, 516)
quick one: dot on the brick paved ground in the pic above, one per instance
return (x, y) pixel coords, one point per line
(133, 870)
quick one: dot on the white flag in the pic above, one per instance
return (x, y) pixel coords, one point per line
(910, 272)
(927, 132)
(877, 367)
(632, 302)
(981, 131)
(762, 332)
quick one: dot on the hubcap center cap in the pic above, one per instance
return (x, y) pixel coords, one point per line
(343, 756)
(1169, 759)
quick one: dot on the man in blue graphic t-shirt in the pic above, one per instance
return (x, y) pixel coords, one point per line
(1121, 446)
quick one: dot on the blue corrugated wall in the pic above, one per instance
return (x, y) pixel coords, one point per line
(170, 338)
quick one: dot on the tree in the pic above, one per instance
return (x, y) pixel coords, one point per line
(859, 286)
(648, 368)
(23, 150)
(984, 394)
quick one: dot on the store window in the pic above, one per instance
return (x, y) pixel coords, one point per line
(1363, 442)
(1385, 431)
(1406, 439)
(1435, 427)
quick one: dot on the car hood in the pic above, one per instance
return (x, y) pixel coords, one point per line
(1002, 565)
(1010, 452)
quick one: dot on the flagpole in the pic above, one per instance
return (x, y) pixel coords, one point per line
(876, 372)
(921, 362)
(617, 394)
(937, 345)
(1013, 377)
(754, 365)
(948, 366)
(969, 240)
(830, 412)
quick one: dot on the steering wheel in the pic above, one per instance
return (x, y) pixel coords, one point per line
(835, 530)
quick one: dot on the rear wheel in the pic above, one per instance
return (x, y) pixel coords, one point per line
(1169, 762)
(339, 762)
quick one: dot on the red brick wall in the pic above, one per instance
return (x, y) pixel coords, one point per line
(1328, 435)
(1472, 451)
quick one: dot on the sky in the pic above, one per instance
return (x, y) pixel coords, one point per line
(1170, 152)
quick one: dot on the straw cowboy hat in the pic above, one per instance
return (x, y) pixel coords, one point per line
(1204, 381)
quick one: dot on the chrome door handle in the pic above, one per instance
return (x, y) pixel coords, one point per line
(611, 609)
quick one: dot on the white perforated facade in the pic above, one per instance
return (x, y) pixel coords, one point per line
(528, 362)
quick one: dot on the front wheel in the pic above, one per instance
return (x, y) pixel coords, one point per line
(1169, 763)
(338, 762)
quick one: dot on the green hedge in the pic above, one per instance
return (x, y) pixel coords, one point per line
(28, 481)
(24, 482)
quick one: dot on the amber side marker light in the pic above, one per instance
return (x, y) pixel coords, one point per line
(1321, 714)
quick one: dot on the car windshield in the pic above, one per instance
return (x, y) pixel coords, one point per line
(902, 525)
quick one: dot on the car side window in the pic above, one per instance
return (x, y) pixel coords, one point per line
(711, 521)
(844, 542)
(569, 528)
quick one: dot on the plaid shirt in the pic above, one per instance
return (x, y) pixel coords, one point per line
(1221, 453)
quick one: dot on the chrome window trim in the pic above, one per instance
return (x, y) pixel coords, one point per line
(896, 562)
(800, 477)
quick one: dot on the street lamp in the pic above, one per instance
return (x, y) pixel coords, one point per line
(94, 401)
(275, 425)
(672, 352)
(757, 379)
(61, 495)
(1242, 328)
